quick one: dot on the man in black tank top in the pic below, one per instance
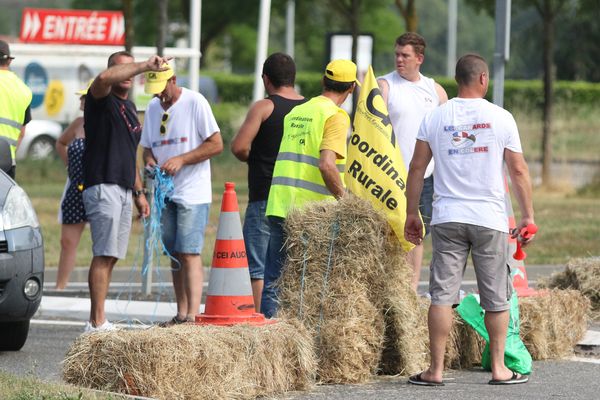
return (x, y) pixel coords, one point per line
(257, 143)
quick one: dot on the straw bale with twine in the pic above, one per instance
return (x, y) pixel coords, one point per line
(195, 362)
(553, 323)
(346, 278)
(581, 274)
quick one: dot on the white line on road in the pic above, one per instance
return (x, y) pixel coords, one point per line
(134, 325)
(585, 359)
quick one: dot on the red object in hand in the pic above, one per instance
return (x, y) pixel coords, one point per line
(526, 233)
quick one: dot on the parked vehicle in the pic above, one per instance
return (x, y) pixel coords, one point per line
(39, 139)
(21, 259)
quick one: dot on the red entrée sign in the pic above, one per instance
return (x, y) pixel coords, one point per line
(72, 26)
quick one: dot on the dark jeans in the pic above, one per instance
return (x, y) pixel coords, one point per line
(276, 256)
(426, 203)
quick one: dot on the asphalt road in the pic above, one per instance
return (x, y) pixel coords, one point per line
(44, 350)
(49, 341)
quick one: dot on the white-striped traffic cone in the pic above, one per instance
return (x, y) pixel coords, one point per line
(229, 299)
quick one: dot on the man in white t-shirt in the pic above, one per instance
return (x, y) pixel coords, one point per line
(470, 139)
(409, 95)
(180, 135)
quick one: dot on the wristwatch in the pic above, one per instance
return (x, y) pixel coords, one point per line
(138, 193)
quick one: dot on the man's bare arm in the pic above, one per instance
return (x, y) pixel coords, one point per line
(212, 146)
(330, 173)
(521, 186)
(120, 72)
(242, 142)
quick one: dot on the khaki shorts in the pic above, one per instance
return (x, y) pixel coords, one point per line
(451, 245)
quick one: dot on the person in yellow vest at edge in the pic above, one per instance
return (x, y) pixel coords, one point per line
(310, 164)
(15, 99)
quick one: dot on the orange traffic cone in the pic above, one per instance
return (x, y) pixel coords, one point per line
(229, 299)
(515, 253)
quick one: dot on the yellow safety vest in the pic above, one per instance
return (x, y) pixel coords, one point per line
(296, 177)
(15, 97)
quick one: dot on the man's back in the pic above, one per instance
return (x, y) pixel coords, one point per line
(112, 135)
(467, 138)
(265, 147)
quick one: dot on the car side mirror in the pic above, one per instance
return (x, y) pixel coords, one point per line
(5, 155)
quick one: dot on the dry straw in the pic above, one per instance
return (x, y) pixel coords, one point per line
(195, 362)
(581, 274)
(347, 280)
(553, 322)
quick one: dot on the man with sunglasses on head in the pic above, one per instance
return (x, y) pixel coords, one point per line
(180, 135)
(110, 177)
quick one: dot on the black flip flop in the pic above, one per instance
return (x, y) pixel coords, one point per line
(515, 379)
(418, 380)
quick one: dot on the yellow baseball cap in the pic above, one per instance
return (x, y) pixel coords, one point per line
(157, 80)
(341, 71)
(83, 92)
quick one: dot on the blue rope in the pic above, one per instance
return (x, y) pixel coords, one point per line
(163, 188)
(304, 237)
(335, 229)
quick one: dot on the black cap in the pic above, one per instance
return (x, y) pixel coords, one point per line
(5, 51)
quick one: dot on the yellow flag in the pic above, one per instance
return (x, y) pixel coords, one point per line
(374, 167)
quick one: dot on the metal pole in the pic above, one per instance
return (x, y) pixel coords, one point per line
(452, 22)
(290, 26)
(195, 12)
(147, 263)
(502, 51)
(261, 48)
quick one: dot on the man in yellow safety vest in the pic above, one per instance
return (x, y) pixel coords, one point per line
(15, 98)
(310, 164)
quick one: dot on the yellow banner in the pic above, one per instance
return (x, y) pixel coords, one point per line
(374, 168)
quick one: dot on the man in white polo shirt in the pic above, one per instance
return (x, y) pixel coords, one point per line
(180, 135)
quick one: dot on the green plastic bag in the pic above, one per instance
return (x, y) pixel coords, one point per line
(516, 356)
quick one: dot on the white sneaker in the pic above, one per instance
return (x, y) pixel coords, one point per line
(106, 326)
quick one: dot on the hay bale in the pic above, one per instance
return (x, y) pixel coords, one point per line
(553, 322)
(346, 270)
(195, 362)
(470, 345)
(581, 274)
(464, 346)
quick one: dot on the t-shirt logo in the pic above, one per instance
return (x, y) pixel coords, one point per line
(463, 138)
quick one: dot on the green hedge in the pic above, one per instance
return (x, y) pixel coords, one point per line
(517, 94)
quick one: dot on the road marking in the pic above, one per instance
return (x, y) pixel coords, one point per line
(585, 359)
(133, 325)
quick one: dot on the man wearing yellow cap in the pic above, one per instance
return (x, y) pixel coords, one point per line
(310, 164)
(180, 135)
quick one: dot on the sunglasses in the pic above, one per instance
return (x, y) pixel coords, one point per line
(163, 124)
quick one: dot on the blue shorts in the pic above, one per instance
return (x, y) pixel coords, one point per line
(426, 203)
(183, 227)
(108, 208)
(256, 238)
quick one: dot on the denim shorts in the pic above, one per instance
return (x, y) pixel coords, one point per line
(108, 208)
(256, 238)
(183, 227)
(426, 203)
(452, 242)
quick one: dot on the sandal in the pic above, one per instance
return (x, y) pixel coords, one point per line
(173, 321)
